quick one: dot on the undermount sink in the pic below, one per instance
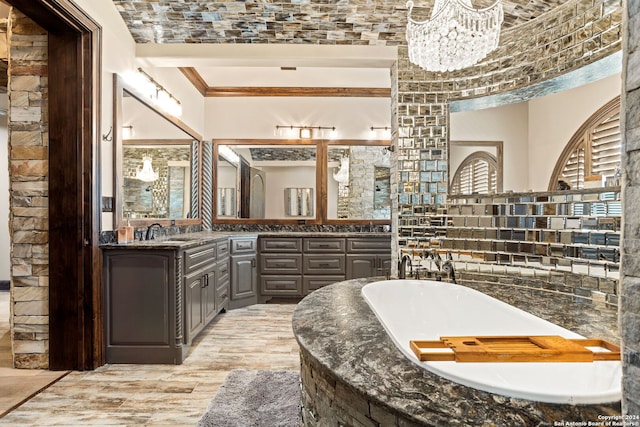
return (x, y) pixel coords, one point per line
(178, 239)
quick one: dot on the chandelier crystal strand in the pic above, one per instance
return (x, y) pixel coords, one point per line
(456, 37)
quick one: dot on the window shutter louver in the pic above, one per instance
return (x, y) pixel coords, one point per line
(596, 150)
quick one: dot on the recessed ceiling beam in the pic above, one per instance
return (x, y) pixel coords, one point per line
(210, 91)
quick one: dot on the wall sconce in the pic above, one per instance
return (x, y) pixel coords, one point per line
(379, 132)
(389, 149)
(150, 89)
(127, 132)
(305, 132)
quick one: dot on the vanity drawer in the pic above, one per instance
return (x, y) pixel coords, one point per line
(222, 248)
(196, 258)
(222, 271)
(311, 283)
(322, 245)
(280, 244)
(283, 286)
(243, 245)
(280, 264)
(369, 245)
(324, 264)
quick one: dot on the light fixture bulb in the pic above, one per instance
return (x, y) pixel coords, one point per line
(306, 133)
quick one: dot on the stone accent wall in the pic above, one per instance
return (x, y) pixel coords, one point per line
(28, 155)
(630, 283)
(362, 163)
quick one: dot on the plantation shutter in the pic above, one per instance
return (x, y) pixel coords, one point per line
(593, 150)
(477, 174)
(605, 147)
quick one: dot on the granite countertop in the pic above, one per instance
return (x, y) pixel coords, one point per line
(189, 240)
(335, 327)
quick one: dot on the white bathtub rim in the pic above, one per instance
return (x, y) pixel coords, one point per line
(457, 372)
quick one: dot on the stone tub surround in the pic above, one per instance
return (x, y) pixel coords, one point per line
(352, 373)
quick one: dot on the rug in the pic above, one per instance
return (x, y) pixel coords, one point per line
(255, 398)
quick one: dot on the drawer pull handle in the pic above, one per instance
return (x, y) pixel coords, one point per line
(325, 265)
(281, 266)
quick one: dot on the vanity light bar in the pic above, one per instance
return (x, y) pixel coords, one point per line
(228, 154)
(143, 83)
(306, 132)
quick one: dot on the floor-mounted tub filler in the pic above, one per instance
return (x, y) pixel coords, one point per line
(427, 310)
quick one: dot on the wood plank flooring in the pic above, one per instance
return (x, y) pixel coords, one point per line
(256, 337)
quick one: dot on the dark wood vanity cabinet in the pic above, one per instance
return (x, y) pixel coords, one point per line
(157, 299)
(201, 284)
(144, 317)
(367, 257)
(296, 266)
(244, 272)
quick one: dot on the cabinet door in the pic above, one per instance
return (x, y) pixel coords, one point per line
(194, 314)
(359, 266)
(209, 306)
(243, 276)
(384, 264)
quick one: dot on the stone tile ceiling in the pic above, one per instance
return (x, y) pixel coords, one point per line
(350, 22)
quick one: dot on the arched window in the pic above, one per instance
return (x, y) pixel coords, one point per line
(593, 150)
(477, 174)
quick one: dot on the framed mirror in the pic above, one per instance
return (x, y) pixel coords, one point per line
(475, 167)
(156, 163)
(260, 173)
(358, 182)
(308, 181)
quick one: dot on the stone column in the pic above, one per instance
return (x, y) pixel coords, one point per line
(29, 205)
(630, 281)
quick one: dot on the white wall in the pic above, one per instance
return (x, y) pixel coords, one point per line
(508, 124)
(118, 57)
(5, 270)
(534, 132)
(554, 119)
(279, 178)
(257, 117)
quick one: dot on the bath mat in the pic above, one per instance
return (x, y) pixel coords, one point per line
(255, 398)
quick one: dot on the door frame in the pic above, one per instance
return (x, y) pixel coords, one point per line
(76, 339)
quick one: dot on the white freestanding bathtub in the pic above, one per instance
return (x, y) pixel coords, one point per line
(427, 310)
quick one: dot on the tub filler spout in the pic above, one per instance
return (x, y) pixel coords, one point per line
(402, 267)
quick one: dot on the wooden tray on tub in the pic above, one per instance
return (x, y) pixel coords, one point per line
(542, 348)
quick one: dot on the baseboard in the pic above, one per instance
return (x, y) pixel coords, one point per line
(4, 285)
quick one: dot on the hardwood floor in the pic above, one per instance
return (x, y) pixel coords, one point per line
(256, 337)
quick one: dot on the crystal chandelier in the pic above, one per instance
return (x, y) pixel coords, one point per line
(342, 174)
(456, 37)
(146, 174)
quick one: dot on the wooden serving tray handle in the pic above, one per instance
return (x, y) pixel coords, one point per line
(542, 348)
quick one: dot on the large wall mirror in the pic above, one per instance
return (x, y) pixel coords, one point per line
(156, 162)
(475, 167)
(358, 182)
(314, 181)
